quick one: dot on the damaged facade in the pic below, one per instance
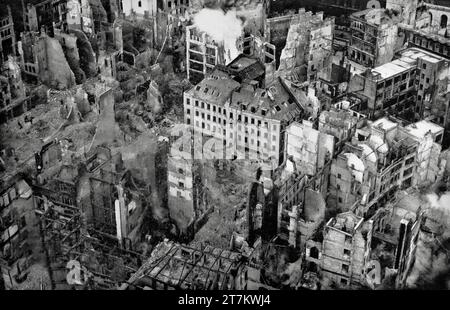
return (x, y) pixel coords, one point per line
(412, 87)
(382, 158)
(373, 38)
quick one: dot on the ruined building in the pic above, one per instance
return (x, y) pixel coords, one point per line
(309, 148)
(13, 96)
(382, 158)
(406, 8)
(373, 38)
(412, 87)
(340, 124)
(425, 246)
(391, 227)
(434, 43)
(433, 19)
(188, 194)
(45, 15)
(301, 207)
(175, 266)
(244, 118)
(20, 246)
(7, 36)
(308, 50)
(345, 251)
(203, 53)
(140, 8)
(87, 208)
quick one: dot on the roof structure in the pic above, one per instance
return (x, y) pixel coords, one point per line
(185, 267)
(421, 128)
(408, 60)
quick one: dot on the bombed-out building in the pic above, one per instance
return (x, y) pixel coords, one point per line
(413, 87)
(373, 38)
(308, 50)
(175, 266)
(246, 119)
(382, 158)
(345, 250)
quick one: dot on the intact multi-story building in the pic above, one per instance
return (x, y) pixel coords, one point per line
(308, 51)
(243, 118)
(373, 38)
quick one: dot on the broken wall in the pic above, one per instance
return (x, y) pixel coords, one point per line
(69, 45)
(54, 71)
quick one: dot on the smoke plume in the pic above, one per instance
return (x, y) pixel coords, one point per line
(221, 27)
(431, 265)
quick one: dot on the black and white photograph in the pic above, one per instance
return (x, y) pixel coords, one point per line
(225, 150)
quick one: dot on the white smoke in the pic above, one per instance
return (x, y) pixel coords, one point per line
(431, 260)
(441, 203)
(221, 27)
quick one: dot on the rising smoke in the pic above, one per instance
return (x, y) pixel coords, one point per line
(431, 265)
(221, 27)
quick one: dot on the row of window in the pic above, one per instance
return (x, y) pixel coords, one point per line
(4, 22)
(5, 33)
(175, 3)
(435, 46)
(214, 109)
(239, 137)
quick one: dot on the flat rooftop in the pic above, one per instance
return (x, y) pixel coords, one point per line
(407, 61)
(421, 128)
(385, 124)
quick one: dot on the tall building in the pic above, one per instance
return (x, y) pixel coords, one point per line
(434, 43)
(138, 7)
(7, 36)
(433, 18)
(373, 38)
(243, 118)
(308, 148)
(382, 158)
(412, 87)
(308, 52)
(20, 242)
(346, 250)
(175, 266)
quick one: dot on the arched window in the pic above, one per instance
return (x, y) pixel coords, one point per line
(444, 21)
(140, 3)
